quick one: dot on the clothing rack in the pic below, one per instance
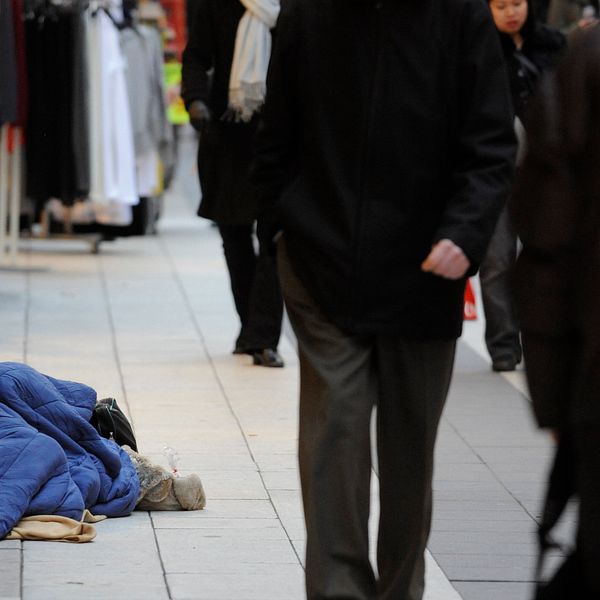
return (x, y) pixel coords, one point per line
(43, 232)
(79, 173)
(11, 196)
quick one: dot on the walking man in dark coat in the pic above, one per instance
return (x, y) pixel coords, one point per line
(386, 149)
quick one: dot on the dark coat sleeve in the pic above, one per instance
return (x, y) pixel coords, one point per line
(545, 214)
(557, 216)
(276, 141)
(198, 56)
(485, 142)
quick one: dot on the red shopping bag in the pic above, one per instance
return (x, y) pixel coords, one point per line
(469, 310)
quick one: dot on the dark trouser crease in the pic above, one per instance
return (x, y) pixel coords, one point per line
(501, 326)
(342, 378)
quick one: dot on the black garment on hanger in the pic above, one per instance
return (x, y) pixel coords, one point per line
(8, 65)
(53, 168)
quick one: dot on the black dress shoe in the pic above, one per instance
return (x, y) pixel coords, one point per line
(267, 358)
(503, 365)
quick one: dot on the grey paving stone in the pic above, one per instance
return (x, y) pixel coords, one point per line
(525, 526)
(185, 551)
(470, 590)
(487, 574)
(247, 509)
(122, 561)
(537, 458)
(10, 572)
(177, 520)
(120, 588)
(486, 486)
(491, 506)
(495, 495)
(457, 513)
(483, 560)
(257, 535)
(458, 546)
(286, 479)
(260, 582)
(498, 537)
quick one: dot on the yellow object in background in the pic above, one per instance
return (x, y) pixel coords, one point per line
(175, 107)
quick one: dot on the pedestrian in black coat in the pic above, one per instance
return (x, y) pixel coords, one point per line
(386, 149)
(224, 157)
(529, 49)
(556, 211)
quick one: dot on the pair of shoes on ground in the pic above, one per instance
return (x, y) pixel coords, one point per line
(266, 357)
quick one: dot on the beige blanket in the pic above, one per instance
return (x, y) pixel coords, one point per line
(55, 528)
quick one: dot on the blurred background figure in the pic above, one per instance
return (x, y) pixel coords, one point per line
(568, 14)
(529, 49)
(556, 210)
(228, 40)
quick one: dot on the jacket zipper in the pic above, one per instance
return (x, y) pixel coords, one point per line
(365, 158)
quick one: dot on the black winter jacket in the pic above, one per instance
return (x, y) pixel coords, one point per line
(210, 49)
(225, 148)
(387, 127)
(542, 47)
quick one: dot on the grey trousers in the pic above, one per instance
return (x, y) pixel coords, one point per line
(342, 378)
(502, 335)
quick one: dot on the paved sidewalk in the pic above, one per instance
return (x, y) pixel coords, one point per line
(150, 321)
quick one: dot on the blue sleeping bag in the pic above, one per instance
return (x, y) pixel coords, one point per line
(52, 461)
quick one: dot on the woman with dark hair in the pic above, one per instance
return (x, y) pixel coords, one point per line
(529, 48)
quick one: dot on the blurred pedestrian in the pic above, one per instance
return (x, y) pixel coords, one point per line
(529, 49)
(224, 71)
(386, 151)
(556, 209)
(566, 15)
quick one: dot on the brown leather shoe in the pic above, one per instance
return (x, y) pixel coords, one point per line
(268, 358)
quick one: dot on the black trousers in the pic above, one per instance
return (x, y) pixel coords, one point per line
(501, 328)
(342, 378)
(587, 457)
(255, 288)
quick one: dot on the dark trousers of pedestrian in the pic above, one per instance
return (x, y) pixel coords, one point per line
(586, 437)
(501, 326)
(255, 288)
(342, 379)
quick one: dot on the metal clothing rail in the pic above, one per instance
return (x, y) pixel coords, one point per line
(11, 194)
(11, 157)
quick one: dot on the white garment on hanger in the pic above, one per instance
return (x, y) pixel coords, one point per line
(147, 173)
(113, 170)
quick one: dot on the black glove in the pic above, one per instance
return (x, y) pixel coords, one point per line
(199, 115)
(268, 226)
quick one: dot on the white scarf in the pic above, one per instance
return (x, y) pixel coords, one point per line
(247, 83)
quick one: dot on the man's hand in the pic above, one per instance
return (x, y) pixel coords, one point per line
(199, 115)
(447, 260)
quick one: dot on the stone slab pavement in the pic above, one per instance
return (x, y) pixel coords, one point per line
(150, 321)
